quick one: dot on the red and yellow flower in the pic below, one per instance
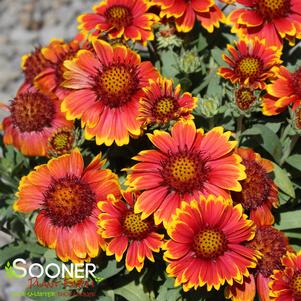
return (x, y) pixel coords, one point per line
(51, 78)
(187, 164)
(125, 231)
(186, 12)
(259, 193)
(282, 92)
(120, 19)
(267, 19)
(106, 88)
(34, 117)
(66, 195)
(286, 283)
(206, 244)
(162, 103)
(251, 63)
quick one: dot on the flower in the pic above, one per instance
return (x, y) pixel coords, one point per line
(267, 19)
(244, 97)
(282, 92)
(208, 106)
(259, 193)
(34, 116)
(185, 13)
(61, 141)
(190, 61)
(286, 283)
(297, 118)
(188, 163)
(162, 103)
(206, 244)
(50, 79)
(66, 195)
(106, 88)
(125, 231)
(120, 19)
(166, 37)
(250, 63)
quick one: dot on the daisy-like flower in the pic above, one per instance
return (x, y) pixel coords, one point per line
(187, 164)
(162, 103)
(282, 92)
(34, 116)
(186, 12)
(259, 193)
(286, 283)
(273, 245)
(125, 231)
(251, 63)
(206, 244)
(120, 19)
(244, 97)
(272, 20)
(107, 87)
(50, 79)
(297, 118)
(66, 195)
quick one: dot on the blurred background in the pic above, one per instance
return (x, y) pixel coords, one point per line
(25, 24)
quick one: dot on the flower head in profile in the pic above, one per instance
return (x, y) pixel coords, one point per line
(125, 232)
(66, 195)
(162, 103)
(251, 63)
(51, 78)
(286, 282)
(244, 97)
(259, 193)
(34, 117)
(273, 20)
(106, 88)
(206, 244)
(185, 165)
(284, 91)
(120, 19)
(186, 13)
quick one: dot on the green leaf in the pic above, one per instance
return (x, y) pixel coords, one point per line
(132, 292)
(282, 181)
(169, 68)
(294, 161)
(11, 250)
(112, 268)
(202, 42)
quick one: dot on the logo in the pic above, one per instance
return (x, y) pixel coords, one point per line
(10, 272)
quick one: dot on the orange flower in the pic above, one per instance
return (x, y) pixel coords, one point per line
(120, 18)
(125, 231)
(244, 97)
(50, 79)
(34, 116)
(286, 283)
(282, 92)
(161, 103)
(272, 20)
(106, 87)
(185, 13)
(206, 245)
(259, 193)
(66, 196)
(251, 63)
(187, 164)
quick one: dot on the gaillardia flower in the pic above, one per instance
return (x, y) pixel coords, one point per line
(186, 12)
(120, 19)
(50, 79)
(162, 103)
(251, 63)
(286, 283)
(244, 97)
(282, 92)
(206, 244)
(272, 20)
(34, 116)
(66, 195)
(259, 193)
(187, 164)
(107, 87)
(125, 231)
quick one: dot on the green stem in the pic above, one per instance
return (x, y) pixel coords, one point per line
(239, 127)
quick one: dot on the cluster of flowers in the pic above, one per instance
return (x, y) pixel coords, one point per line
(197, 196)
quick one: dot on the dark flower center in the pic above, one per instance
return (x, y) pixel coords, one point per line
(244, 98)
(164, 108)
(271, 9)
(68, 201)
(296, 285)
(61, 141)
(32, 112)
(119, 16)
(249, 67)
